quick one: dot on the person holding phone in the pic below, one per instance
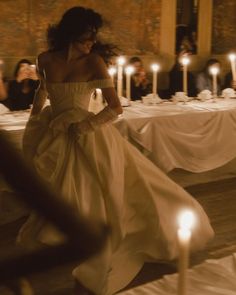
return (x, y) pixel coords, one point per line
(140, 84)
(22, 88)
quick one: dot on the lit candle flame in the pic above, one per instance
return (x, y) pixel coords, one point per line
(121, 61)
(155, 67)
(186, 220)
(214, 70)
(232, 57)
(129, 70)
(112, 71)
(185, 61)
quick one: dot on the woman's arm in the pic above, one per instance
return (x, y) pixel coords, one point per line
(41, 92)
(110, 112)
(109, 93)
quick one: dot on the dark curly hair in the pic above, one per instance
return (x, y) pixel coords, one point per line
(74, 23)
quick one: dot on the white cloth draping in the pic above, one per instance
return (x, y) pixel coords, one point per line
(213, 277)
(197, 136)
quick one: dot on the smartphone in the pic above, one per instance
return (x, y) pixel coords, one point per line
(32, 68)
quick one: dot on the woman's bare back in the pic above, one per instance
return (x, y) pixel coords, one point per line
(56, 68)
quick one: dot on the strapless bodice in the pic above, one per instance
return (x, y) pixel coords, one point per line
(73, 95)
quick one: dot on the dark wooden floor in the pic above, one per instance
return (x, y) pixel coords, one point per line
(217, 198)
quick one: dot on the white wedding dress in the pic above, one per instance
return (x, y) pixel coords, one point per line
(104, 177)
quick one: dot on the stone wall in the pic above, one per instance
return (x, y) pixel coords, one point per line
(224, 26)
(133, 25)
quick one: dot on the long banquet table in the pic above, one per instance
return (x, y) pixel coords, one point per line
(196, 136)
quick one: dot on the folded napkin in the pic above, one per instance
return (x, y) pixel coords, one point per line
(228, 92)
(151, 99)
(204, 95)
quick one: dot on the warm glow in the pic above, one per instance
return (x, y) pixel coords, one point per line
(186, 220)
(129, 70)
(232, 57)
(121, 61)
(99, 91)
(185, 61)
(112, 71)
(155, 67)
(214, 70)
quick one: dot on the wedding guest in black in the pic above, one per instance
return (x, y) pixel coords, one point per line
(22, 88)
(229, 82)
(176, 78)
(3, 91)
(185, 39)
(140, 84)
(204, 78)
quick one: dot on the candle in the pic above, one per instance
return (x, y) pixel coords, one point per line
(184, 238)
(121, 62)
(112, 72)
(129, 70)
(155, 69)
(214, 71)
(232, 58)
(185, 61)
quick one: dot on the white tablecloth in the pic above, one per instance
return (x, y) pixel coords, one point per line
(14, 124)
(213, 277)
(197, 136)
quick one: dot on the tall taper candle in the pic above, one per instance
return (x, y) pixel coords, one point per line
(185, 61)
(214, 71)
(121, 62)
(232, 58)
(128, 70)
(112, 71)
(155, 69)
(184, 238)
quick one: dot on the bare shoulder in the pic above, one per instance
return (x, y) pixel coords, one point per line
(95, 59)
(98, 65)
(43, 59)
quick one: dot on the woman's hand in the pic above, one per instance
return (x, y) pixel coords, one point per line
(23, 74)
(32, 73)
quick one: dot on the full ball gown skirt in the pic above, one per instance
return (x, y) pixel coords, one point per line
(104, 177)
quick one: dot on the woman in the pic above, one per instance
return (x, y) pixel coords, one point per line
(22, 88)
(140, 85)
(99, 173)
(204, 79)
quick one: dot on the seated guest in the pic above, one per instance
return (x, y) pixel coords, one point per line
(229, 82)
(140, 85)
(3, 90)
(176, 78)
(204, 79)
(22, 88)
